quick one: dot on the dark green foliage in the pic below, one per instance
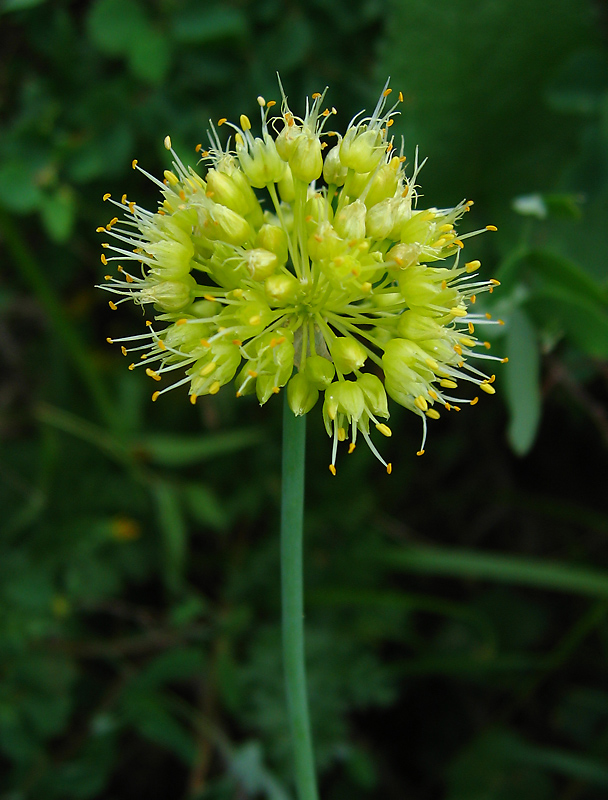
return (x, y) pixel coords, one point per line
(457, 612)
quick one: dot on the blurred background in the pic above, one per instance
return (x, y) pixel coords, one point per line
(457, 612)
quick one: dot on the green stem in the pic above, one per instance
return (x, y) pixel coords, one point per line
(292, 595)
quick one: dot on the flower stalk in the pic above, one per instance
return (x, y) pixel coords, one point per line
(292, 597)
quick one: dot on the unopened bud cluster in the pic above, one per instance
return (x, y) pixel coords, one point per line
(330, 282)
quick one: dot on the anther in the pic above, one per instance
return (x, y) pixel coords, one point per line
(332, 469)
(432, 414)
(167, 142)
(155, 396)
(193, 399)
(124, 200)
(197, 149)
(351, 448)
(471, 266)
(104, 260)
(215, 387)
(401, 97)
(151, 374)
(421, 403)
(389, 468)
(123, 350)
(222, 121)
(109, 341)
(107, 196)
(491, 228)
(261, 101)
(101, 229)
(474, 401)
(245, 122)
(384, 429)
(487, 388)
(420, 453)
(504, 360)
(112, 305)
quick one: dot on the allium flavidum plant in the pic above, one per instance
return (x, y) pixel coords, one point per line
(333, 283)
(299, 259)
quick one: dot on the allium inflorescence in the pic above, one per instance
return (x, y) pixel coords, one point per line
(333, 283)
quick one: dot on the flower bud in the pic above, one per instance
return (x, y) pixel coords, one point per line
(403, 256)
(350, 221)
(380, 220)
(260, 161)
(384, 183)
(361, 150)
(417, 327)
(273, 238)
(171, 258)
(169, 296)
(224, 190)
(301, 394)
(187, 337)
(334, 171)
(281, 289)
(227, 226)
(324, 243)
(306, 159)
(374, 393)
(319, 371)
(260, 263)
(215, 368)
(286, 187)
(348, 354)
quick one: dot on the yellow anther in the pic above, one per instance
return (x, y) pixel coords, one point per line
(389, 123)
(386, 92)
(440, 242)
(467, 342)
(101, 229)
(366, 286)
(215, 387)
(255, 320)
(131, 367)
(124, 200)
(487, 388)
(151, 374)
(448, 384)
(492, 378)
(261, 101)
(487, 345)
(132, 205)
(252, 373)
(432, 414)
(197, 149)
(123, 350)
(107, 196)
(351, 447)
(430, 362)
(208, 368)
(474, 402)
(447, 227)
(421, 403)
(471, 266)
(237, 342)
(401, 97)
(491, 228)
(104, 260)
(107, 277)
(488, 316)
(444, 285)
(144, 356)
(167, 142)
(471, 327)
(181, 321)
(271, 103)
(193, 399)
(384, 429)
(501, 321)
(433, 394)
(109, 341)
(494, 282)
(245, 122)
(222, 121)
(458, 243)
(389, 468)
(171, 177)
(105, 244)
(134, 163)
(473, 299)
(205, 343)
(155, 396)
(420, 453)
(112, 305)
(332, 469)
(458, 312)
(458, 349)
(276, 389)
(315, 95)
(161, 345)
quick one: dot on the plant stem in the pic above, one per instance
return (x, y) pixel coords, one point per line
(292, 596)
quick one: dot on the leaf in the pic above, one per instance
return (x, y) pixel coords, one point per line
(470, 564)
(174, 533)
(150, 55)
(114, 25)
(585, 322)
(205, 507)
(200, 25)
(561, 273)
(522, 382)
(19, 190)
(179, 451)
(58, 212)
(147, 712)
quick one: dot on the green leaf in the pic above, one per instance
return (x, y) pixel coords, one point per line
(205, 507)
(200, 25)
(522, 382)
(560, 272)
(147, 712)
(58, 212)
(179, 451)
(114, 25)
(19, 190)
(585, 322)
(469, 564)
(150, 55)
(174, 533)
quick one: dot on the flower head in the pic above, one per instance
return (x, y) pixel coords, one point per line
(343, 288)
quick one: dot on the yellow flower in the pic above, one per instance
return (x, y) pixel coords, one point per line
(323, 288)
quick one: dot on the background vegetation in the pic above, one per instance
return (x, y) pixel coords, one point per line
(458, 610)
